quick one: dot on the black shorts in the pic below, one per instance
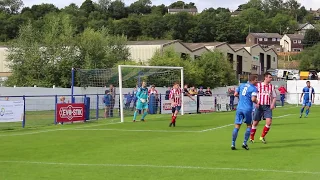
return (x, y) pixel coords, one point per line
(263, 111)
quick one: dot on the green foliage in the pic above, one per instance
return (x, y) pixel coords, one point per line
(45, 58)
(170, 58)
(310, 58)
(216, 70)
(311, 38)
(153, 22)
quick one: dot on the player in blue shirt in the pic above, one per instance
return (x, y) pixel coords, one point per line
(247, 94)
(308, 97)
(142, 101)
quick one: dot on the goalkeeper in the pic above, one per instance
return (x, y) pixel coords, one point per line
(142, 102)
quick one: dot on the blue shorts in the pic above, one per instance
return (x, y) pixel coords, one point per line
(141, 106)
(263, 111)
(243, 116)
(306, 103)
(177, 108)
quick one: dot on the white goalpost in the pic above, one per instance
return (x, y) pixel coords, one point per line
(161, 77)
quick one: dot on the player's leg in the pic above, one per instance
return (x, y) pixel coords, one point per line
(248, 121)
(237, 124)
(172, 115)
(268, 115)
(136, 112)
(145, 111)
(308, 109)
(256, 119)
(105, 111)
(304, 104)
(175, 115)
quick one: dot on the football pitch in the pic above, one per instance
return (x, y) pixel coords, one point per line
(198, 148)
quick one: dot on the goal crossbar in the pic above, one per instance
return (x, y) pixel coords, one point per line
(146, 67)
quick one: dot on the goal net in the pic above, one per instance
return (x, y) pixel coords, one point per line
(158, 79)
(112, 92)
(100, 88)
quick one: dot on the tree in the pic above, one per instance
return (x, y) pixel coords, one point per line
(140, 7)
(11, 6)
(216, 70)
(311, 37)
(310, 58)
(169, 57)
(45, 56)
(99, 49)
(180, 24)
(154, 26)
(118, 10)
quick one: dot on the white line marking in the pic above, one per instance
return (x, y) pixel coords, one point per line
(283, 116)
(205, 130)
(164, 167)
(52, 130)
(102, 124)
(130, 130)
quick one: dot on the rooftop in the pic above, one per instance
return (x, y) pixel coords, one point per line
(182, 10)
(296, 36)
(237, 46)
(153, 42)
(195, 46)
(266, 35)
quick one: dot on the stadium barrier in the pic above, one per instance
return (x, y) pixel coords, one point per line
(45, 110)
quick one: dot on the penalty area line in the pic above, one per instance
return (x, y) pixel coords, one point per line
(163, 167)
(132, 130)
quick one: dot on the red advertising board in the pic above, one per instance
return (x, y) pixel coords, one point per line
(70, 112)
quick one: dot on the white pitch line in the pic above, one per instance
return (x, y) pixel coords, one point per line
(52, 130)
(205, 130)
(164, 167)
(283, 116)
(132, 130)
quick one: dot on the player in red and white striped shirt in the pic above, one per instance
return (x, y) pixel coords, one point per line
(176, 102)
(266, 103)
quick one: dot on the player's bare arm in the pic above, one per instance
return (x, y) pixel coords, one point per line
(236, 94)
(301, 97)
(254, 99)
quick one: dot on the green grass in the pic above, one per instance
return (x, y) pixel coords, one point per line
(152, 150)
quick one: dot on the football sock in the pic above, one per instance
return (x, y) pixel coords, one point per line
(247, 135)
(135, 115)
(234, 136)
(307, 112)
(265, 131)
(144, 115)
(253, 132)
(173, 120)
(301, 111)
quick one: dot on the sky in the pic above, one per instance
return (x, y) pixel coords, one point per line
(201, 4)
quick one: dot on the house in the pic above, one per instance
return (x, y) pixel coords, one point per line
(193, 11)
(315, 13)
(262, 59)
(143, 51)
(292, 42)
(264, 39)
(4, 69)
(236, 13)
(304, 27)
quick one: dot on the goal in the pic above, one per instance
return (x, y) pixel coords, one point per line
(158, 80)
(126, 79)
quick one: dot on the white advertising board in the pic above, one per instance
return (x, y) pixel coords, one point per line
(11, 111)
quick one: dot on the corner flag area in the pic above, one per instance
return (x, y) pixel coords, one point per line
(198, 148)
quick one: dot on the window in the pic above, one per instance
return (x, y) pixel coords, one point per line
(278, 39)
(296, 49)
(274, 39)
(294, 41)
(274, 59)
(265, 39)
(278, 49)
(260, 39)
(299, 41)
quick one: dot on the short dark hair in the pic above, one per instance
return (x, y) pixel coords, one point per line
(266, 74)
(308, 82)
(253, 77)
